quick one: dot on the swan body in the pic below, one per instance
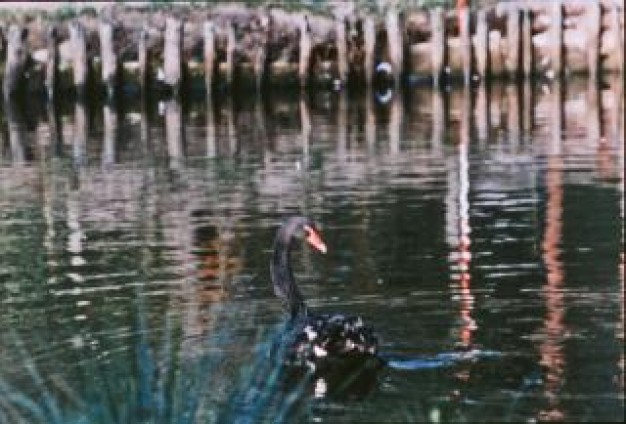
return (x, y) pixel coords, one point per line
(316, 340)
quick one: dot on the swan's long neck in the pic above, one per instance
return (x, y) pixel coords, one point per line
(285, 285)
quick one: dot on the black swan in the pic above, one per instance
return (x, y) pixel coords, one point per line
(317, 341)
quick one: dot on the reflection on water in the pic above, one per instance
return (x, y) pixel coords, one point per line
(135, 241)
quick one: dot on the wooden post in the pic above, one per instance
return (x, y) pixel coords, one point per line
(593, 21)
(108, 57)
(305, 51)
(172, 54)
(618, 34)
(557, 38)
(369, 35)
(466, 44)
(15, 61)
(143, 58)
(79, 60)
(342, 49)
(438, 44)
(230, 53)
(52, 61)
(482, 44)
(512, 61)
(395, 44)
(527, 47)
(209, 55)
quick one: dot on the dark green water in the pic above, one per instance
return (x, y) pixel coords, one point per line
(135, 243)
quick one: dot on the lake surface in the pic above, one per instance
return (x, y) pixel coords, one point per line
(480, 233)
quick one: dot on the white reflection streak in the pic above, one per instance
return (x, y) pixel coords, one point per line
(211, 150)
(174, 133)
(459, 229)
(76, 235)
(464, 245)
(110, 133)
(305, 118)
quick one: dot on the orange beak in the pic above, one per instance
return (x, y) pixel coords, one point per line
(314, 239)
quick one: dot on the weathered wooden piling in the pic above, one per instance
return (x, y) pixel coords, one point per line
(527, 46)
(52, 61)
(15, 61)
(108, 57)
(466, 44)
(172, 55)
(438, 44)
(369, 41)
(80, 65)
(618, 37)
(593, 27)
(305, 50)
(512, 60)
(341, 44)
(513, 38)
(556, 56)
(482, 45)
(395, 44)
(209, 54)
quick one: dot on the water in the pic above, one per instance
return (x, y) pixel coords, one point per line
(481, 235)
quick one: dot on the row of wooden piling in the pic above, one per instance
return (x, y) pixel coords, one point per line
(513, 39)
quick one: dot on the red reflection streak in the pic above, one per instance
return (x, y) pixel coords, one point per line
(551, 350)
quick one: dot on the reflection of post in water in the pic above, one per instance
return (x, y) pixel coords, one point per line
(439, 121)
(174, 133)
(305, 119)
(527, 106)
(617, 123)
(370, 120)
(110, 134)
(482, 113)
(79, 142)
(395, 123)
(604, 150)
(513, 115)
(211, 140)
(144, 127)
(231, 124)
(17, 132)
(76, 235)
(551, 351)
(342, 125)
(54, 126)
